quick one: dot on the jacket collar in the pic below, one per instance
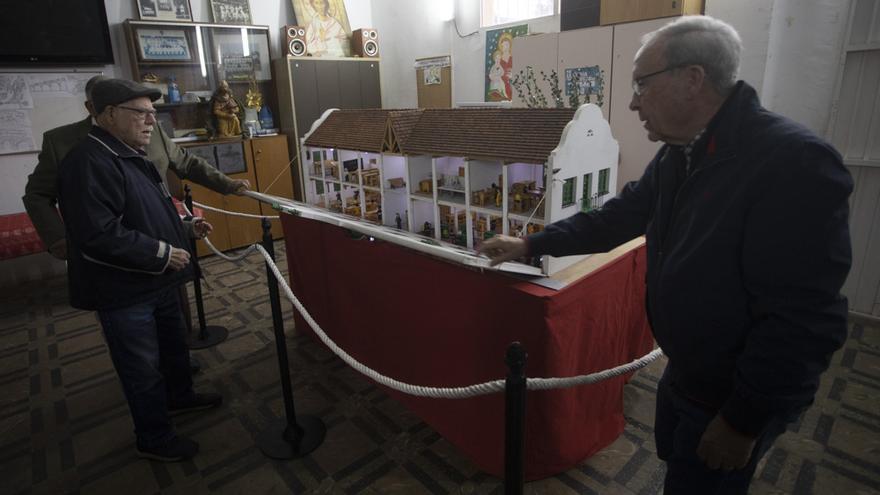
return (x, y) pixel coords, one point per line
(725, 126)
(113, 145)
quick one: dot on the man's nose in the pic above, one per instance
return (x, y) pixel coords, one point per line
(634, 102)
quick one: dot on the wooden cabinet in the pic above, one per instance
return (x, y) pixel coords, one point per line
(307, 87)
(617, 11)
(266, 167)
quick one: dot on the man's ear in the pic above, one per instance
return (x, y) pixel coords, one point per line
(695, 77)
(90, 108)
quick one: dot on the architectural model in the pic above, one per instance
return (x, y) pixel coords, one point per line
(461, 175)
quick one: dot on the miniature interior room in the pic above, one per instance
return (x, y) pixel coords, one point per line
(337, 186)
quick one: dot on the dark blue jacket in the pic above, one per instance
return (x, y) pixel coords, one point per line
(120, 224)
(746, 259)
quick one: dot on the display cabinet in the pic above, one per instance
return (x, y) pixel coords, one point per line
(197, 57)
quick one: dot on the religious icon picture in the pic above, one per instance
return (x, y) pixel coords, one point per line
(327, 28)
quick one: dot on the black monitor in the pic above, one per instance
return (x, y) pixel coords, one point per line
(54, 32)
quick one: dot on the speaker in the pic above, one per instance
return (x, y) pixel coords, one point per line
(296, 40)
(365, 43)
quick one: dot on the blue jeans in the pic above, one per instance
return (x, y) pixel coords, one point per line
(147, 343)
(679, 424)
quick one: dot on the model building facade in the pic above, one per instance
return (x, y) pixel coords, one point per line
(461, 175)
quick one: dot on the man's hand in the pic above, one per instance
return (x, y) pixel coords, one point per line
(58, 249)
(241, 185)
(503, 248)
(722, 447)
(201, 227)
(179, 259)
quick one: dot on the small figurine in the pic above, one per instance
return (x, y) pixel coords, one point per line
(398, 221)
(225, 110)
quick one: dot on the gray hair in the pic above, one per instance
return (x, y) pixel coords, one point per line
(704, 41)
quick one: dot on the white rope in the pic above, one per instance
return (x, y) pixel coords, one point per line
(485, 388)
(448, 392)
(233, 213)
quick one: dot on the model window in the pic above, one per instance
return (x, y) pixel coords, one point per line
(603, 180)
(568, 192)
(587, 193)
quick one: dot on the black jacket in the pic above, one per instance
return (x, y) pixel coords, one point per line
(746, 258)
(120, 224)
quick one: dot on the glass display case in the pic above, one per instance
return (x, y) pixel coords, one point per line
(187, 61)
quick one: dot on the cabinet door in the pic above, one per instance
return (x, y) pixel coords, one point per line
(371, 94)
(305, 94)
(220, 236)
(273, 174)
(327, 74)
(350, 85)
(243, 231)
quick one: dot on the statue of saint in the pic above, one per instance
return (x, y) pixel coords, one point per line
(225, 110)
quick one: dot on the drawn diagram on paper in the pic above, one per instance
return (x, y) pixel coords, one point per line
(15, 131)
(14, 93)
(64, 85)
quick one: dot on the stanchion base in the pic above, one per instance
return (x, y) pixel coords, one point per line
(213, 335)
(271, 440)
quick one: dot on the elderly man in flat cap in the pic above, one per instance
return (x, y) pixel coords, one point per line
(127, 257)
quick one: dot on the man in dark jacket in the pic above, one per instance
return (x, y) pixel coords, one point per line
(41, 194)
(745, 215)
(127, 257)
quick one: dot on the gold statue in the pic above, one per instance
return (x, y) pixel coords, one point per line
(225, 110)
(253, 98)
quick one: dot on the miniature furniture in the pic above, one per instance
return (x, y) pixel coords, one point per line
(414, 332)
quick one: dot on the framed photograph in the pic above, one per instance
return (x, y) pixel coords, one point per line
(165, 10)
(231, 11)
(163, 44)
(229, 46)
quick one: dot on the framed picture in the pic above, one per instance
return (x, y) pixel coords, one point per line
(163, 44)
(231, 11)
(165, 10)
(229, 46)
(327, 28)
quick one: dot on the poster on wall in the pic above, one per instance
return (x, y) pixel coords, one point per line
(165, 10)
(327, 28)
(586, 82)
(499, 61)
(231, 11)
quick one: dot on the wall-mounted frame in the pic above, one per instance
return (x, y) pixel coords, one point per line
(163, 45)
(231, 11)
(165, 10)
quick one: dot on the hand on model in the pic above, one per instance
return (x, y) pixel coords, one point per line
(179, 259)
(503, 248)
(201, 227)
(241, 185)
(58, 249)
(722, 447)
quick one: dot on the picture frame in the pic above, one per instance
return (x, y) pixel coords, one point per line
(231, 12)
(163, 45)
(165, 10)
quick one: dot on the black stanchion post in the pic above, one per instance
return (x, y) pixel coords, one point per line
(209, 335)
(293, 436)
(514, 419)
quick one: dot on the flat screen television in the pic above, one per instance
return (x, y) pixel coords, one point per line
(54, 32)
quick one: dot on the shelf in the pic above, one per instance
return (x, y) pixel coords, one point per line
(316, 177)
(490, 210)
(355, 184)
(160, 106)
(422, 195)
(450, 189)
(371, 188)
(446, 202)
(397, 190)
(426, 199)
(525, 218)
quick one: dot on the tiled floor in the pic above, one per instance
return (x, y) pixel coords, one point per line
(65, 428)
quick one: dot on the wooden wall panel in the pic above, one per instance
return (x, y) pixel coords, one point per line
(583, 48)
(540, 52)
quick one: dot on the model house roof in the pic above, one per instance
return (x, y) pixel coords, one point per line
(508, 134)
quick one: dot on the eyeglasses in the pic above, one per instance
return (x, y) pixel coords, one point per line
(142, 114)
(638, 83)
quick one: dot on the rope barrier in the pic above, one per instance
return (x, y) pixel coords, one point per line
(479, 389)
(234, 213)
(485, 388)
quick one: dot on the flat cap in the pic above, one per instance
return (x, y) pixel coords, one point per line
(115, 91)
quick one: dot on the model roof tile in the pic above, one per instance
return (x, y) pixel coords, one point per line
(509, 134)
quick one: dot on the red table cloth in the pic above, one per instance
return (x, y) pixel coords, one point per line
(429, 322)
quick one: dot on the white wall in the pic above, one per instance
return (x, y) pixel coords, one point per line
(14, 169)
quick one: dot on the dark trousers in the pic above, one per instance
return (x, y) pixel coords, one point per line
(147, 343)
(678, 426)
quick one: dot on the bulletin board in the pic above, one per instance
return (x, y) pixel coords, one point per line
(434, 82)
(32, 103)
